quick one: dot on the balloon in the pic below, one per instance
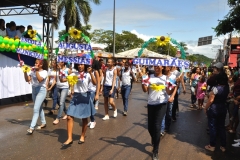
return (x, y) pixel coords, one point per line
(7, 46)
(11, 41)
(16, 42)
(13, 47)
(2, 45)
(25, 47)
(45, 57)
(30, 48)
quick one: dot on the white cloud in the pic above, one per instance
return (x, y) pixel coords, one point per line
(142, 36)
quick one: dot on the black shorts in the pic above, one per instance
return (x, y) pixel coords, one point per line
(106, 90)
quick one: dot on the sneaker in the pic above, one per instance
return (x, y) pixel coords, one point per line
(210, 148)
(125, 113)
(162, 134)
(96, 107)
(89, 124)
(236, 140)
(236, 144)
(115, 113)
(110, 107)
(105, 118)
(155, 156)
(93, 124)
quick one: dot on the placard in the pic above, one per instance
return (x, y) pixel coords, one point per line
(29, 53)
(161, 62)
(30, 41)
(74, 46)
(78, 60)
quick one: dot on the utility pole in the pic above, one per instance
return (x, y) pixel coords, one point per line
(168, 43)
(114, 28)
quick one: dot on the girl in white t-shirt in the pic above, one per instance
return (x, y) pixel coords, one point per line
(52, 73)
(81, 106)
(158, 93)
(38, 77)
(63, 87)
(3, 31)
(109, 88)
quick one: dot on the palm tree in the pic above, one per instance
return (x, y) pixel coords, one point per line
(183, 45)
(73, 12)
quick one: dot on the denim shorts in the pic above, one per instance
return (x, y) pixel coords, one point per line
(106, 91)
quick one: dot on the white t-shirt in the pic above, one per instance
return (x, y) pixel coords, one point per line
(91, 86)
(3, 33)
(173, 78)
(83, 82)
(19, 34)
(109, 77)
(63, 74)
(35, 83)
(51, 74)
(126, 77)
(157, 97)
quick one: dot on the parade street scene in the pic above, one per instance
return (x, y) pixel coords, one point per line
(119, 80)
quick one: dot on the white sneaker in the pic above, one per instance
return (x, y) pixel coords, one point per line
(236, 140)
(110, 107)
(115, 113)
(93, 124)
(105, 118)
(96, 107)
(236, 144)
(89, 124)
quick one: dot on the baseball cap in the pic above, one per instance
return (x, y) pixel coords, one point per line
(218, 65)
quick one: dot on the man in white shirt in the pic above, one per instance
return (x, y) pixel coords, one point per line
(20, 31)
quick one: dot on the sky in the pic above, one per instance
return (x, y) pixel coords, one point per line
(185, 20)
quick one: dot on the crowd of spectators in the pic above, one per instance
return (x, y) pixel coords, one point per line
(11, 30)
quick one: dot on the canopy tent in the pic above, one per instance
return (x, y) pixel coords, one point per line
(104, 54)
(146, 53)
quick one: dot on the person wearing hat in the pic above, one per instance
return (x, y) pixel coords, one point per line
(217, 68)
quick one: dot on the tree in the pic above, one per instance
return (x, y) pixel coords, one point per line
(183, 45)
(230, 22)
(123, 41)
(74, 11)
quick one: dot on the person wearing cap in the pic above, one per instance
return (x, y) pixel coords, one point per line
(217, 68)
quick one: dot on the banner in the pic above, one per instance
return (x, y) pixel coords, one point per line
(30, 53)
(74, 46)
(30, 41)
(161, 62)
(78, 60)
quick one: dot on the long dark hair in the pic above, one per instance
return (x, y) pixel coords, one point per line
(85, 67)
(96, 65)
(44, 64)
(1, 21)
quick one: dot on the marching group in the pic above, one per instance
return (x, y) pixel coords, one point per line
(162, 83)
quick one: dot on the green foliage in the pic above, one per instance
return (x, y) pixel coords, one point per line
(73, 12)
(199, 59)
(123, 41)
(230, 22)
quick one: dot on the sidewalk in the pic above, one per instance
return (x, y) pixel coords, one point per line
(121, 138)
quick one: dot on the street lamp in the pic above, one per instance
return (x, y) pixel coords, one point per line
(168, 43)
(114, 28)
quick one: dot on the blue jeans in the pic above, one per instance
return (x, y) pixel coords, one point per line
(125, 90)
(55, 97)
(193, 96)
(92, 97)
(63, 96)
(38, 96)
(216, 122)
(167, 119)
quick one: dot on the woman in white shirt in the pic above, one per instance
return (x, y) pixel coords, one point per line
(63, 87)
(81, 105)
(158, 93)
(3, 31)
(38, 77)
(109, 88)
(53, 87)
(126, 76)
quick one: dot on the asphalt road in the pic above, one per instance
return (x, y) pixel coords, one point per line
(121, 138)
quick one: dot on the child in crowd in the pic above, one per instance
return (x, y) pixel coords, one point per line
(201, 91)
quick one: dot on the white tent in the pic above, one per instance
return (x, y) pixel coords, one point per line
(146, 53)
